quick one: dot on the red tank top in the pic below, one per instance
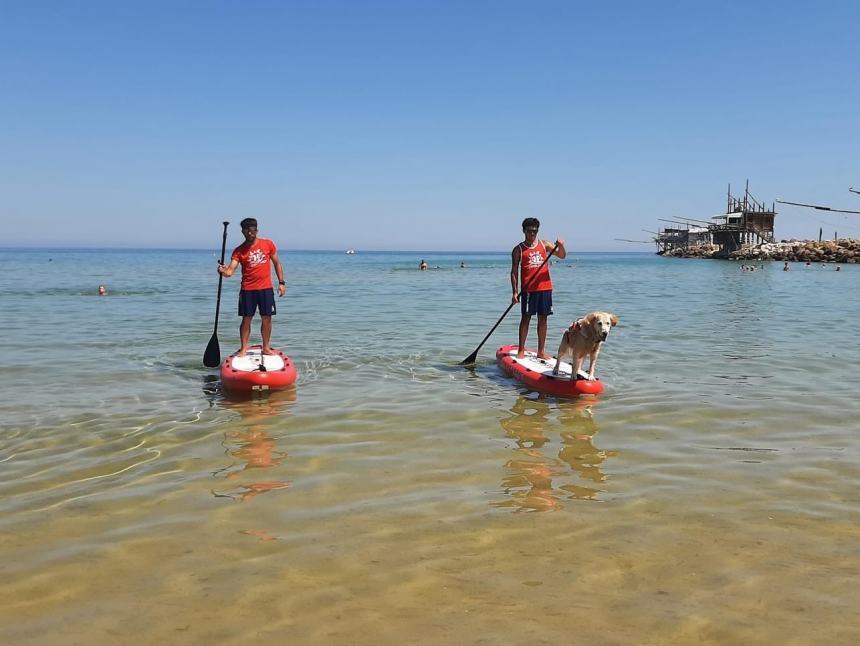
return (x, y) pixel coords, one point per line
(531, 270)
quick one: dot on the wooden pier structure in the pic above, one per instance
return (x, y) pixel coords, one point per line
(746, 223)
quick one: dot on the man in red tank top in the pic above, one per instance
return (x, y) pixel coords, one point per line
(530, 268)
(257, 256)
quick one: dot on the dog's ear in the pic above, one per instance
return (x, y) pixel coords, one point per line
(588, 319)
(613, 320)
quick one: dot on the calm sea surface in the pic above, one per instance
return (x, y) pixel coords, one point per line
(711, 494)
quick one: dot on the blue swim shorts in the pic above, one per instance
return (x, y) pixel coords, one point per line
(539, 303)
(250, 299)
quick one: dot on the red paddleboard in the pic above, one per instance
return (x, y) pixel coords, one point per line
(244, 374)
(537, 374)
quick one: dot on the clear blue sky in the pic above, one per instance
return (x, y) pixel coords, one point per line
(419, 125)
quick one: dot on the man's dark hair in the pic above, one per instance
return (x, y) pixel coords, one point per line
(248, 222)
(531, 222)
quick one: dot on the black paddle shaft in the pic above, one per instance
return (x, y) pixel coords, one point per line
(472, 357)
(212, 355)
(220, 278)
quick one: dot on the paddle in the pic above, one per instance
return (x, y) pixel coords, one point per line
(472, 357)
(212, 356)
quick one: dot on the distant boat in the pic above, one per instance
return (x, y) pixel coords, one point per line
(350, 251)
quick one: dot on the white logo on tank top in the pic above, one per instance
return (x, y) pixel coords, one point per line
(535, 260)
(256, 257)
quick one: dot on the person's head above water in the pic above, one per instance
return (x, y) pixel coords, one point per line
(531, 223)
(249, 229)
(530, 229)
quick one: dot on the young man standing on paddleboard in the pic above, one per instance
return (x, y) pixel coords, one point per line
(530, 267)
(257, 256)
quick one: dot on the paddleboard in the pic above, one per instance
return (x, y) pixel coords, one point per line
(537, 374)
(244, 373)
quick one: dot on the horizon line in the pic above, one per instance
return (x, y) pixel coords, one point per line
(285, 249)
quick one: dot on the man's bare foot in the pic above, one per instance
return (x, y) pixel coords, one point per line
(545, 356)
(268, 351)
(521, 354)
(241, 352)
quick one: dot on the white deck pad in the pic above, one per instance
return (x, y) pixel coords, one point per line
(251, 361)
(545, 366)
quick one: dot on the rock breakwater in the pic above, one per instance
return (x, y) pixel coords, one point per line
(844, 250)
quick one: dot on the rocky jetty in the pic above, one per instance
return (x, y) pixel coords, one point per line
(844, 250)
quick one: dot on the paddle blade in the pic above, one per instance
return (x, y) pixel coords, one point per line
(468, 361)
(212, 356)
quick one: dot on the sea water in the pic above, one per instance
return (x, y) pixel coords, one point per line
(709, 494)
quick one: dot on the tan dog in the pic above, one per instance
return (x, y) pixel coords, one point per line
(584, 338)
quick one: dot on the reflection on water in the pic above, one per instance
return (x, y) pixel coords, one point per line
(252, 446)
(529, 475)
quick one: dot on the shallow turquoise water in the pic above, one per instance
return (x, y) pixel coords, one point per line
(720, 467)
